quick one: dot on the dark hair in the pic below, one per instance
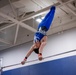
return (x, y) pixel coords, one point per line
(36, 50)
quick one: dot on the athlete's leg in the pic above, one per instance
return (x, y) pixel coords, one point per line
(43, 20)
(48, 18)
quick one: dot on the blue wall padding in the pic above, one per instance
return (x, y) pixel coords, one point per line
(64, 66)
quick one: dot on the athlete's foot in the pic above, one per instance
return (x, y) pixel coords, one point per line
(23, 62)
(40, 56)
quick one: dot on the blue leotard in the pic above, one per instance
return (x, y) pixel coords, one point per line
(46, 22)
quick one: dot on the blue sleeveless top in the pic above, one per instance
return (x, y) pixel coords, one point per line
(38, 36)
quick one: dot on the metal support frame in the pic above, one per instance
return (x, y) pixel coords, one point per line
(13, 10)
(18, 22)
(71, 10)
(4, 41)
(16, 34)
(40, 12)
(68, 7)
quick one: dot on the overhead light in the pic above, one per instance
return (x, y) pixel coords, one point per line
(42, 18)
(39, 20)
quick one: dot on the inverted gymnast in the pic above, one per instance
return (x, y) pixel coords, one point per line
(40, 37)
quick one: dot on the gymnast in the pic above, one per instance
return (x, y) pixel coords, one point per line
(40, 37)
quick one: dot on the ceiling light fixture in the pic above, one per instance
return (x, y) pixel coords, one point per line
(39, 20)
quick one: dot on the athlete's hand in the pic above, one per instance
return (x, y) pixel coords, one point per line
(23, 62)
(40, 57)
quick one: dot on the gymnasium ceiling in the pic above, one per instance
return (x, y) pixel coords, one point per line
(18, 19)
